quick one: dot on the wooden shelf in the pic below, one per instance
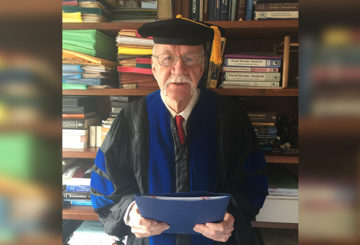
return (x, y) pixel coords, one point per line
(227, 92)
(91, 153)
(83, 153)
(88, 213)
(79, 213)
(233, 28)
(275, 225)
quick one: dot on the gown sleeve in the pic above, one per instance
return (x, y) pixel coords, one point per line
(112, 181)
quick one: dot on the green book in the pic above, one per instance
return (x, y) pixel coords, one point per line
(66, 86)
(281, 181)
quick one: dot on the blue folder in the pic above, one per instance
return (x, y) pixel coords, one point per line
(182, 215)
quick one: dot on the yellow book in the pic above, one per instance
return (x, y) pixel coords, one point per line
(134, 51)
(71, 17)
(73, 57)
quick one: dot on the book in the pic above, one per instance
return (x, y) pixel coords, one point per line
(260, 15)
(249, 69)
(194, 9)
(118, 103)
(76, 195)
(224, 10)
(234, 83)
(252, 60)
(78, 202)
(277, 6)
(232, 10)
(265, 131)
(267, 116)
(74, 100)
(98, 136)
(79, 123)
(182, 211)
(249, 9)
(282, 182)
(92, 136)
(74, 132)
(283, 209)
(73, 57)
(252, 76)
(134, 70)
(77, 188)
(240, 13)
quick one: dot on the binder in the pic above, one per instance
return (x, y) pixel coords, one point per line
(182, 211)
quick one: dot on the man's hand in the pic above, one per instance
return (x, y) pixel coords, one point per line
(217, 231)
(142, 227)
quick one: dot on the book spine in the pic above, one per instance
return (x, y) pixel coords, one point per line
(76, 195)
(253, 62)
(232, 11)
(77, 188)
(74, 132)
(252, 76)
(134, 70)
(240, 13)
(249, 9)
(252, 84)
(262, 116)
(206, 10)
(211, 10)
(276, 15)
(194, 10)
(294, 6)
(73, 123)
(98, 136)
(217, 10)
(73, 116)
(266, 130)
(79, 202)
(249, 69)
(224, 10)
(92, 141)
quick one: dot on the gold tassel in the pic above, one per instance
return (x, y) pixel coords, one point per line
(216, 47)
(178, 16)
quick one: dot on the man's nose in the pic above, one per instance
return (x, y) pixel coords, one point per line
(179, 67)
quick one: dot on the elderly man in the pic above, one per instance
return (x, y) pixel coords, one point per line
(179, 139)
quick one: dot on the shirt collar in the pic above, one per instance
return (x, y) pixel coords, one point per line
(187, 111)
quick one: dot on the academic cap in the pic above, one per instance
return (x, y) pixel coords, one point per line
(183, 31)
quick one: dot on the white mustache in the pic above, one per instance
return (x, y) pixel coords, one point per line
(179, 79)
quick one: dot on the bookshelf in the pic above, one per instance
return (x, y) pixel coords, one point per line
(90, 153)
(266, 33)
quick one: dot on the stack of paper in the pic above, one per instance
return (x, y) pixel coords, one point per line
(88, 10)
(134, 58)
(91, 233)
(88, 59)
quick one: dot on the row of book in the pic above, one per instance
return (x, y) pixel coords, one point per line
(81, 126)
(230, 10)
(249, 70)
(134, 60)
(77, 11)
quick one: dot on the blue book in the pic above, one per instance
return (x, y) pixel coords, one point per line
(88, 81)
(78, 202)
(249, 9)
(77, 188)
(70, 75)
(71, 68)
(183, 210)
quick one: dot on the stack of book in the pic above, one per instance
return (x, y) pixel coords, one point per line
(117, 103)
(282, 203)
(276, 9)
(264, 125)
(92, 233)
(135, 11)
(255, 70)
(88, 10)
(76, 181)
(134, 58)
(78, 114)
(94, 49)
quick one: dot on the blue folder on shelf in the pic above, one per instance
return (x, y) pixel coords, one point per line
(183, 210)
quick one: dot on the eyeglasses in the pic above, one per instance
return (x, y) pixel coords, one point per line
(189, 59)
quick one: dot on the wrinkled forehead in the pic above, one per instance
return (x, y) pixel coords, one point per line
(177, 49)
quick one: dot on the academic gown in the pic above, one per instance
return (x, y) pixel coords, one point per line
(220, 142)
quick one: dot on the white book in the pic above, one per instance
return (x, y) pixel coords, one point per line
(74, 132)
(232, 83)
(98, 136)
(92, 141)
(276, 15)
(284, 209)
(253, 76)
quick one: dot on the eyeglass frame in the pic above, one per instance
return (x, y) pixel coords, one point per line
(201, 55)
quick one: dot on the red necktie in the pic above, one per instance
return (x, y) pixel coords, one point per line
(180, 130)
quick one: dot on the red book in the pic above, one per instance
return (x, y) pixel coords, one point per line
(134, 70)
(143, 60)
